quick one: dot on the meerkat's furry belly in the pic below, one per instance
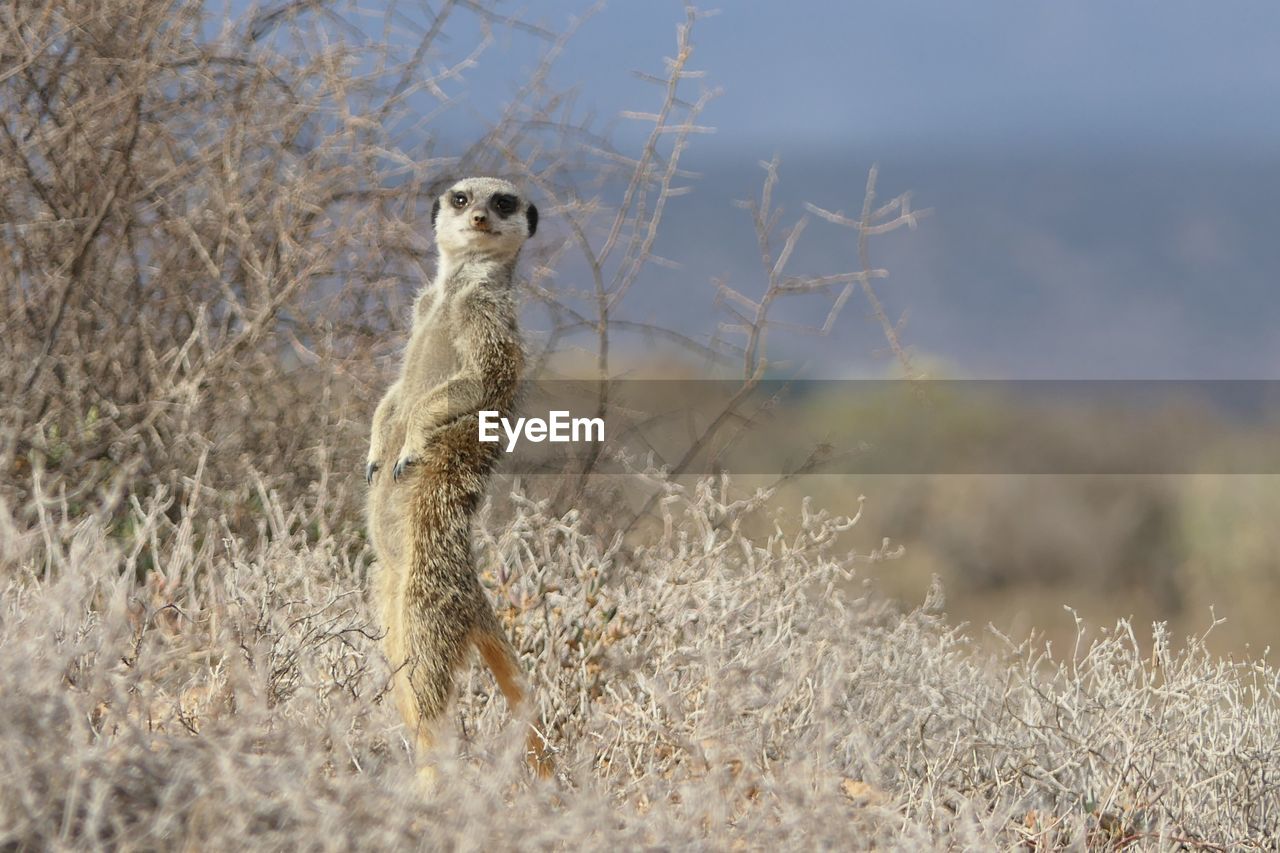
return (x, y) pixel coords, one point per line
(430, 360)
(450, 475)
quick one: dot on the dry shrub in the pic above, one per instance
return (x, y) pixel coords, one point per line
(706, 689)
(211, 232)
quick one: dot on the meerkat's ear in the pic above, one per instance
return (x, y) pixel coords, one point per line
(531, 214)
(435, 211)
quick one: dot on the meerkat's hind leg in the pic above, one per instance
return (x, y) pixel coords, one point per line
(498, 654)
(428, 682)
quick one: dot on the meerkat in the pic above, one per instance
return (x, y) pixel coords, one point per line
(464, 355)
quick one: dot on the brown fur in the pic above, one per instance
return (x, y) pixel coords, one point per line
(464, 355)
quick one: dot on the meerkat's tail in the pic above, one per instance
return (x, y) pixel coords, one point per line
(497, 653)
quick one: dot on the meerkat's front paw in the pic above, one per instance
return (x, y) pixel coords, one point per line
(370, 470)
(406, 459)
(412, 452)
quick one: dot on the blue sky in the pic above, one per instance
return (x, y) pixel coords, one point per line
(935, 72)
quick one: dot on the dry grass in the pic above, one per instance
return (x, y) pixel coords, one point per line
(705, 689)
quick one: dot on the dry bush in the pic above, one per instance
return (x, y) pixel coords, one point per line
(207, 237)
(211, 237)
(707, 689)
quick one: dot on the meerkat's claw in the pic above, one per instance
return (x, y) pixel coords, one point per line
(401, 466)
(369, 471)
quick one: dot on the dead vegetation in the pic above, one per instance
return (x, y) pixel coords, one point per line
(705, 689)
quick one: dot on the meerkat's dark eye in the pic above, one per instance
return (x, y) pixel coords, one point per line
(459, 200)
(505, 204)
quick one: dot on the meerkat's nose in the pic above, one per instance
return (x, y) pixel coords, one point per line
(479, 218)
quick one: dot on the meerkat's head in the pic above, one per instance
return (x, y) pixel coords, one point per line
(483, 217)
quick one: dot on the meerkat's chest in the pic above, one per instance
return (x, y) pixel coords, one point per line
(432, 355)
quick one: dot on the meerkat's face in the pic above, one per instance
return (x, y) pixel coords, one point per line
(485, 217)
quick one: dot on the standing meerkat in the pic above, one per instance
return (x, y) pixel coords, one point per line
(464, 355)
